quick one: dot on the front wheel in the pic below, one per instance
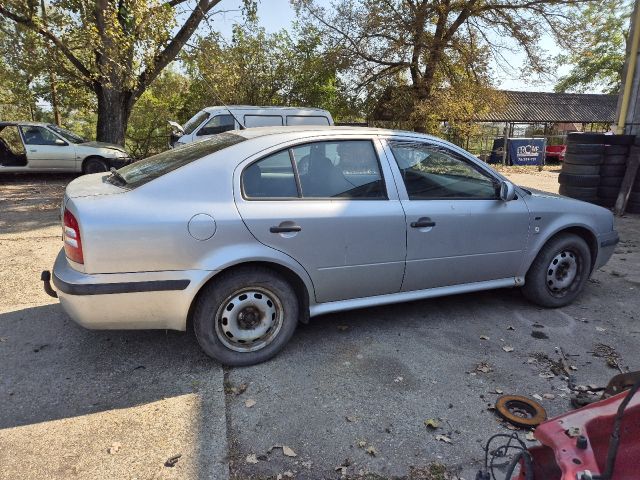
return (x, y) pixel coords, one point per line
(559, 272)
(94, 165)
(245, 316)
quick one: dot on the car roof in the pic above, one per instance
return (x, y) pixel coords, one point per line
(257, 132)
(256, 107)
(26, 123)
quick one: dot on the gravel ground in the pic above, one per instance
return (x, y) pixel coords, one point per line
(351, 390)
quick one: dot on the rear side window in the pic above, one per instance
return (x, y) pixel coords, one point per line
(143, 171)
(271, 177)
(340, 169)
(293, 120)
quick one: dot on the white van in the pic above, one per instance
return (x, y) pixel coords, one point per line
(212, 120)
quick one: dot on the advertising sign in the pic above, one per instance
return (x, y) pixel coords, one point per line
(526, 151)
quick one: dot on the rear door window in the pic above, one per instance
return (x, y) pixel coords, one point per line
(262, 120)
(143, 171)
(271, 177)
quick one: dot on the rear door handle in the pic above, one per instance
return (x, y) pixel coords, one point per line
(285, 229)
(423, 222)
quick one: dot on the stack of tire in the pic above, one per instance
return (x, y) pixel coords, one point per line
(633, 206)
(594, 167)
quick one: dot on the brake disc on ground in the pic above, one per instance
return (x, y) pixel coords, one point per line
(520, 411)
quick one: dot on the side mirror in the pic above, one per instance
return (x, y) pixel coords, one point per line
(507, 191)
(59, 141)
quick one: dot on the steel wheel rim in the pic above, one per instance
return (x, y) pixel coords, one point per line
(562, 272)
(249, 319)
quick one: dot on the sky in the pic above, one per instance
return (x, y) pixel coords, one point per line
(275, 15)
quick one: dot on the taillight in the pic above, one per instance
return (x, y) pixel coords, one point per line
(71, 238)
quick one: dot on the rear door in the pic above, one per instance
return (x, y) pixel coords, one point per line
(326, 204)
(46, 150)
(458, 230)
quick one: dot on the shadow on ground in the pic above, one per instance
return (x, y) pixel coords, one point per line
(30, 201)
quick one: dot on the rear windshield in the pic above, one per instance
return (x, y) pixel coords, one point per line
(143, 171)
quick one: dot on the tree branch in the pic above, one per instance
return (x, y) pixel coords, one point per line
(40, 30)
(163, 58)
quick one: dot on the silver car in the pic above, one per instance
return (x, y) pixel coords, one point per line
(249, 232)
(44, 147)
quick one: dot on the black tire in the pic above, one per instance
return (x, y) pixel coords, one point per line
(580, 169)
(615, 160)
(608, 192)
(546, 287)
(579, 192)
(595, 138)
(579, 180)
(633, 207)
(584, 158)
(616, 150)
(210, 305)
(612, 170)
(605, 202)
(610, 181)
(585, 148)
(94, 165)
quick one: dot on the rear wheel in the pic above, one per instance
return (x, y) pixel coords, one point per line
(559, 272)
(246, 316)
(94, 165)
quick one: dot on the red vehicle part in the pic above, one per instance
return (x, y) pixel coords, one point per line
(555, 152)
(565, 457)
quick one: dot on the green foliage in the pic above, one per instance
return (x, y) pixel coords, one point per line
(147, 132)
(598, 52)
(257, 68)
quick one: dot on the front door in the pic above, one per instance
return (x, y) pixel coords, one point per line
(45, 150)
(326, 205)
(458, 230)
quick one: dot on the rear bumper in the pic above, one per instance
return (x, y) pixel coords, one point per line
(145, 300)
(606, 245)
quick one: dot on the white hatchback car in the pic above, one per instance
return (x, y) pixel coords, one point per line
(44, 147)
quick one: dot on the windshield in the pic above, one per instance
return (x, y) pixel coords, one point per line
(196, 120)
(143, 171)
(69, 136)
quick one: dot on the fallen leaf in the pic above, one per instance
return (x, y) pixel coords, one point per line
(398, 379)
(443, 438)
(507, 348)
(250, 402)
(484, 337)
(342, 328)
(288, 474)
(3, 339)
(252, 458)
(351, 419)
(432, 423)
(342, 469)
(548, 396)
(510, 328)
(536, 396)
(600, 329)
(511, 427)
(371, 450)
(484, 367)
(530, 436)
(362, 443)
(546, 375)
(573, 367)
(499, 392)
(172, 461)
(115, 446)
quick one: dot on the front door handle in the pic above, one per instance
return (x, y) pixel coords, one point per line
(285, 229)
(423, 222)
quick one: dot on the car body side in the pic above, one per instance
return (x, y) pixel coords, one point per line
(155, 234)
(66, 156)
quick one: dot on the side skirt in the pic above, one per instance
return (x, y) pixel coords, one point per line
(341, 305)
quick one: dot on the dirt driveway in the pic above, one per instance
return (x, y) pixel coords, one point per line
(350, 394)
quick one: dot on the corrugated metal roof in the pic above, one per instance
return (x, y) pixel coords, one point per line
(521, 107)
(553, 107)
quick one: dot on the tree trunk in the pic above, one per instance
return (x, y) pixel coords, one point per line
(114, 108)
(54, 98)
